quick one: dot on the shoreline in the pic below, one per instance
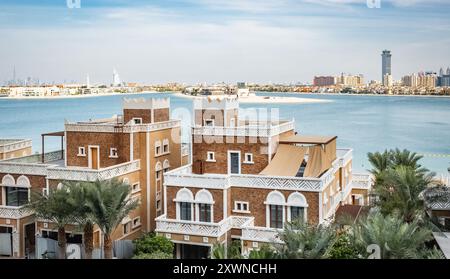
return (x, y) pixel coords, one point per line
(268, 100)
(350, 94)
(81, 96)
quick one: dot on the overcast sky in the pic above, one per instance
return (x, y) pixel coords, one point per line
(220, 40)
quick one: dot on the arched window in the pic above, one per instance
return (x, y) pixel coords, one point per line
(158, 166)
(297, 206)
(275, 203)
(185, 204)
(204, 206)
(166, 165)
(158, 148)
(8, 180)
(23, 181)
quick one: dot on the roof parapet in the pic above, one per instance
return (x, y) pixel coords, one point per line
(216, 102)
(143, 103)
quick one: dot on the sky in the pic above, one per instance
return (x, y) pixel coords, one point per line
(196, 41)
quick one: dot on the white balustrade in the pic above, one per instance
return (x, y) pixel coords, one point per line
(84, 174)
(14, 212)
(361, 181)
(112, 127)
(244, 131)
(15, 145)
(261, 234)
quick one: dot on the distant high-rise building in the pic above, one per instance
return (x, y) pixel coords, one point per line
(427, 80)
(388, 80)
(350, 80)
(441, 72)
(386, 68)
(448, 70)
(324, 81)
(116, 78)
(88, 82)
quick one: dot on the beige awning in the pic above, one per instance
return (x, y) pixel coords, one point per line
(302, 139)
(287, 161)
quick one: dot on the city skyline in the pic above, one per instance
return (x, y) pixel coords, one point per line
(256, 41)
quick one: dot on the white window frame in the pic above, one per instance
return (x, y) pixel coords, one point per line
(229, 161)
(241, 203)
(81, 154)
(158, 144)
(247, 161)
(165, 143)
(138, 189)
(213, 160)
(113, 150)
(139, 120)
(130, 224)
(133, 226)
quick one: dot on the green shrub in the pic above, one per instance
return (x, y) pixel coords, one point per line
(154, 256)
(152, 243)
(343, 248)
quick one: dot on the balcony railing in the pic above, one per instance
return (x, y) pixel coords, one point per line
(113, 127)
(261, 234)
(244, 131)
(164, 225)
(14, 212)
(84, 174)
(15, 145)
(361, 181)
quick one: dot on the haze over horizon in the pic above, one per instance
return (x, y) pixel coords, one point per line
(194, 41)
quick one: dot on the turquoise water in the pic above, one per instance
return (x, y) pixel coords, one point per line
(364, 123)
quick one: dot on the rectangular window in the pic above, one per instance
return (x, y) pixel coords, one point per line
(248, 158)
(158, 174)
(113, 153)
(234, 162)
(136, 187)
(276, 216)
(136, 222)
(127, 228)
(137, 120)
(158, 150)
(158, 205)
(209, 122)
(297, 214)
(204, 212)
(166, 148)
(185, 211)
(211, 157)
(240, 206)
(16, 196)
(81, 151)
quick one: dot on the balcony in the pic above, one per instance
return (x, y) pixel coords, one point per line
(32, 165)
(261, 234)
(361, 181)
(257, 129)
(164, 225)
(116, 125)
(85, 174)
(14, 212)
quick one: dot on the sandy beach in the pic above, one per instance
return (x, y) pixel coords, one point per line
(270, 100)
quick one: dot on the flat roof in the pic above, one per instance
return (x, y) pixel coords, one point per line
(307, 139)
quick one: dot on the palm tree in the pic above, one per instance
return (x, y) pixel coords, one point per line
(400, 191)
(109, 203)
(303, 241)
(407, 158)
(396, 239)
(55, 208)
(78, 200)
(379, 161)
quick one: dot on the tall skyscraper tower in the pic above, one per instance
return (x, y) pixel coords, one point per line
(116, 78)
(386, 64)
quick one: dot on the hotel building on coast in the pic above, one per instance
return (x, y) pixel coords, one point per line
(243, 180)
(136, 147)
(248, 178)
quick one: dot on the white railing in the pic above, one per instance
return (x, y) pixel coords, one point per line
(261, 234)
(15, 145)
(84, 174)
(276, 182)
(244, 131)
(14, 212)
(164, 225)
(344, 156)
(361, 181)
(24, 168)
(113, 127)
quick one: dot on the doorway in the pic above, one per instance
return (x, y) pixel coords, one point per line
(94, 157)
(30, 239)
